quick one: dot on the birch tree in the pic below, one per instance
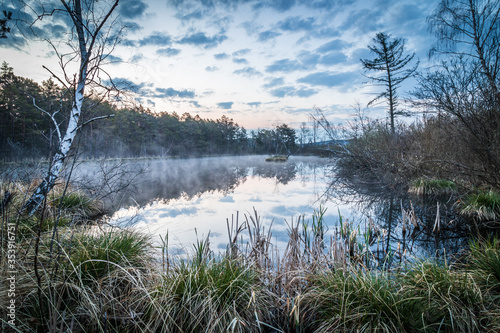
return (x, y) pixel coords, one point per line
(92, 35)
(393, 67)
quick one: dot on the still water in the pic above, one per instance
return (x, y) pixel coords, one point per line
(192, 198)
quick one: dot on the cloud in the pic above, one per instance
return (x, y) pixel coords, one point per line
(241, 52)
(363, 21)
(111, 59)
(296, 23)
(254, 104)
(195, 104)
(328, 79)
(201, 39)
(136, 58)
(247, 71)
(278, 5)
(240, 61)
(156, 38)
(333, 58)
(282, 65)
(292, 91)
(132, 8)
(171, 92)
(225, 105)
(168, 52)
(333, 45)
(273, 82)
(126, 84)
(288, 65)
(221, 56)
(228, 198)
(132, 26)
(196, 14)
(268, 34)
(174, 212)
(13, 41)
(211, 68)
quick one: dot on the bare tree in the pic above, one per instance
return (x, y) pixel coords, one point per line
(470, 29)
(465, 84)
(392, 63)
(92, 35)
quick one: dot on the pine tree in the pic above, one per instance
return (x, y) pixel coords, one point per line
(392, 64)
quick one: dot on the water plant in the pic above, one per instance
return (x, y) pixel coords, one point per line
(483, 205)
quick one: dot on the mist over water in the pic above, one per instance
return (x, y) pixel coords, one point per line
(192, 198)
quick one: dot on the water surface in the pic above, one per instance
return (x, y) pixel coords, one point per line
(192, 198)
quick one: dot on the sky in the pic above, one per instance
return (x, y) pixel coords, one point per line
(260, 62)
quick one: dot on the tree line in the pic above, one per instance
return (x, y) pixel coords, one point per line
(27, 130)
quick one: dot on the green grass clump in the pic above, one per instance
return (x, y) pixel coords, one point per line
(209, 296)
(483, 261)
(76, 202)
(353, 301)
(440, 299)
(95, 254)
(436, 187)
(483, 205)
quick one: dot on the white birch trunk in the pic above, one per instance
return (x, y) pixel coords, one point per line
(57, 164)
(85, 50)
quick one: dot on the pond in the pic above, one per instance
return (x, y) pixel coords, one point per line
(191, 199)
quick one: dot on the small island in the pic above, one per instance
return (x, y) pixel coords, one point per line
(277, 158)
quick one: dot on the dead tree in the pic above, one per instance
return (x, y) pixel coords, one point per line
(392, 64)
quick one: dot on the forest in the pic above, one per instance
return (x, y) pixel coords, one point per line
(132, 131)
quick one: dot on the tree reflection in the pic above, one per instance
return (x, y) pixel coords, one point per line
(407, 225)
(167, 179)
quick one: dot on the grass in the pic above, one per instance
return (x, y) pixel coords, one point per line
(210, 296)
(95, 254)
(352, 300)
(435, 187)
(483, 205)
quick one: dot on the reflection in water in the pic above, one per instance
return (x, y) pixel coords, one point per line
(424, 226)
(184, 195)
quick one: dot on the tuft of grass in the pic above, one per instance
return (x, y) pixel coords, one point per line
(483, 205)
(435, 187)
(209, 296)
(483, 261)
(440, 299)
(76, 202)
(352, 301)
(95, 254)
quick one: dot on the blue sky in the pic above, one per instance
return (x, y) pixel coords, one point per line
(260, 62)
